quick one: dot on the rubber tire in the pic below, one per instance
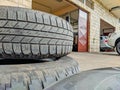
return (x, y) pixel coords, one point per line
(36, 76)
(96, 79)
(26, 33)
(118, 47)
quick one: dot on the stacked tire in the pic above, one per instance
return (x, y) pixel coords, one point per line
(30, 34)
(34, 35)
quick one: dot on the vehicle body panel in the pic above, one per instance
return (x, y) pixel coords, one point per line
(112, 38)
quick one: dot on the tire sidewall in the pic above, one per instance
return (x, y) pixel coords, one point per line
(118, 47)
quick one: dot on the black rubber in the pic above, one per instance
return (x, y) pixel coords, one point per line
(98, 79)
(118, 47)
(26, 33)
(36, 76)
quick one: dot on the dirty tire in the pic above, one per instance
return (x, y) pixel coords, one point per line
(118, 47)
(36, 76)
(96, 79)
(26, 33)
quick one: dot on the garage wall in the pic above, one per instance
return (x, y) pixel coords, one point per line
(99, 12)
(17, 3)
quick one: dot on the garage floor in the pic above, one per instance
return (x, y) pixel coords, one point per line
(89, 61)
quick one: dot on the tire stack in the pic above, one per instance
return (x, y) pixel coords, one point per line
(34, 35)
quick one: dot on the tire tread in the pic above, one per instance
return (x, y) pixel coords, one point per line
(45, 29)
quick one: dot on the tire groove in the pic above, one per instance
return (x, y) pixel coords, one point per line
(23, 25)
(37, 30)
(35, 36)
(35, 23)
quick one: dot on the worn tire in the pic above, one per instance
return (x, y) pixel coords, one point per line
(26, 33)
(36, 76)
(97, 79)
(118, 47)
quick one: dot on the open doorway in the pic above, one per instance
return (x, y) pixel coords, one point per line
(72, 17)
(105, 30)
(79, 20)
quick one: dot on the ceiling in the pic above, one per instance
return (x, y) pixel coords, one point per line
(109, 4)
(105, 25)
(56, 7)
(59, 7)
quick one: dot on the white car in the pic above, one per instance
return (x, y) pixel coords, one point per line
(114, 41)
(104, 43)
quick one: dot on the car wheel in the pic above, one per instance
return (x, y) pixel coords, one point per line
(31, 34)
(36, 76)
(118, 48)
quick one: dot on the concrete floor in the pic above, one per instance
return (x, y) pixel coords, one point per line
(89, 61)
